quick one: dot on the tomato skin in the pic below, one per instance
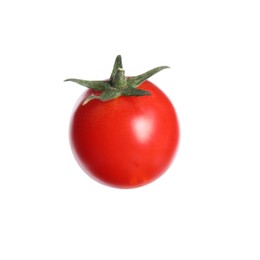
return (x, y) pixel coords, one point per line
(126, 142)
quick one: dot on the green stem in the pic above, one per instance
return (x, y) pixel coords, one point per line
(119, 81)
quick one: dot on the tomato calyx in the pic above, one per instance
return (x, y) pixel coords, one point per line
(118, 84)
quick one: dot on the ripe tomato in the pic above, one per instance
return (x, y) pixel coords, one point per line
(125, 142)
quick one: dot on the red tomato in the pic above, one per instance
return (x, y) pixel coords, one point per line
(126, 142)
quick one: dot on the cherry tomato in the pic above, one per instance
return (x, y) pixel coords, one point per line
(125, 142)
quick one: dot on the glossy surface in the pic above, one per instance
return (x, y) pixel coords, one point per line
(126, 142)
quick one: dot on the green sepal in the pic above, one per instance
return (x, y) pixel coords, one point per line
(108, 94)
(92, 96)
(96, 85)
(137, 80)
(135, 92)
(118, 84)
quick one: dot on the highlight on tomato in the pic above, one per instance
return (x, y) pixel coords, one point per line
(124, 131)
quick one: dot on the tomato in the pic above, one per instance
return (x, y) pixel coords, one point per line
(125, 142)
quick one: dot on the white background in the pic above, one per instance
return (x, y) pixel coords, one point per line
(207, 204)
